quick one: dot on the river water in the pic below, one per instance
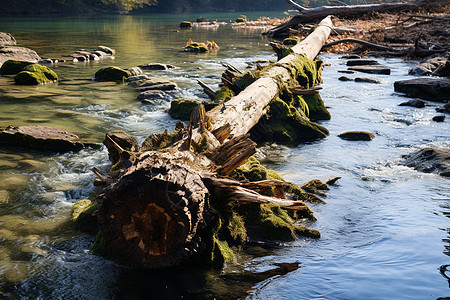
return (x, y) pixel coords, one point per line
(385, 228)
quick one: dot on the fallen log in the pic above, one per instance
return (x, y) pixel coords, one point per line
(312, 14)
(163, 207)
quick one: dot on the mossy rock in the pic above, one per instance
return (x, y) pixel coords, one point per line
(316, 107)
(13, 67)
(222, 253)
(290, 41)
(286, 125)
(111, 74)
(82, 215)
(182, 108)
(185, 24)
(224, 94)
(34, 74)
(240, 20)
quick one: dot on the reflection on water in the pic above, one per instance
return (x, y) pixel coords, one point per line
(385, 231)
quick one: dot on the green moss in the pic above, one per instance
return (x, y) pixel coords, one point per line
(236, 227)
(308, 232)
(222, 253)
(290, 41)
(111, 74)
(286, 125)
(252, 170)
(316, 107)
(182, 108)
(33, 74)
(244, 80)
(304, 72)
(185, 24)
(13, 67)
(83, 215)
(224, 94)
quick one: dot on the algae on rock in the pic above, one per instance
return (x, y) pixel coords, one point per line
(34, 74)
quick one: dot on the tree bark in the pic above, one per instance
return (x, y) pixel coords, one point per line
(243, 111)
(155, 211)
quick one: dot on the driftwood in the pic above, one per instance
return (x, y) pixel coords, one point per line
(158, 209)
(312, 14)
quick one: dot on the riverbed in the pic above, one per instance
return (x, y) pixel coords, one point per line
(385, 227)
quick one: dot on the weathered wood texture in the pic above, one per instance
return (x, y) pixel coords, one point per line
(243, 111)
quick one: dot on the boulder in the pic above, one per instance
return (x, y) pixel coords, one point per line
(34, 74)
(439, 65)
(357, 136)
(439, 118)
(430, 160)
(435, 89)
(7, 39)
(106, 50)
(185, 24)
(182, 108)
(17, 53)
(361, 62)
(13, 67)
(414, 103)
(375, 69)
(152, 95)
(111, 74)
(156, 66)
(366, 80)
(42, 138)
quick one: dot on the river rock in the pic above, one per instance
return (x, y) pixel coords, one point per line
(135, 71)
(111, 74)
(34, 74)
(17, 53)
(445, 109)
(346, 72)
(182, 108)
(375, 69)
(106, 50)
(150, 81)
(152, 95)
(136, 78)
(156, 66)
(414, 103)
(161, 87)
(435, 89)
(430, 160)
(367, 80)
(357, 136)
(345, 78)
(439, 118)
(361, 62)
(13, 67)
(41, 137)
(439, 65)
(350, 56)
(7, 39)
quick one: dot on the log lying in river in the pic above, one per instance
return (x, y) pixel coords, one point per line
(163, 206)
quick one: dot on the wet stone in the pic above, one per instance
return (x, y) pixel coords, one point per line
(350, 56)
(439, 118)
(136, 78)
(135, 71)
(345, 78)
(414, 103)
(435, 89)
(152, 95)
(361, 62)
(367, 80)
(357, 136)
(375, 69)
(346, 72)
(430, 160)
(156, 66)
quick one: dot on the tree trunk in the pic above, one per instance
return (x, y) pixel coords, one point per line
(243, 111)
(317, 13)
(155, 212)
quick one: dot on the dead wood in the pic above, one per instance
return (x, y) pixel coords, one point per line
(371, 45)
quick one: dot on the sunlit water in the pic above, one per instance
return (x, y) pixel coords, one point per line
(384, 227)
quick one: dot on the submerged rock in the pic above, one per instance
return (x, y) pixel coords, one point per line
(42, 138)
(111, 74)
(357, 136)
(435, 89)
(152, 95)
(430, 160)
(375, 69)
(414, 103)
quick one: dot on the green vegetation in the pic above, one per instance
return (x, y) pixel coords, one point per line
(34, 74)
(111, 74)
